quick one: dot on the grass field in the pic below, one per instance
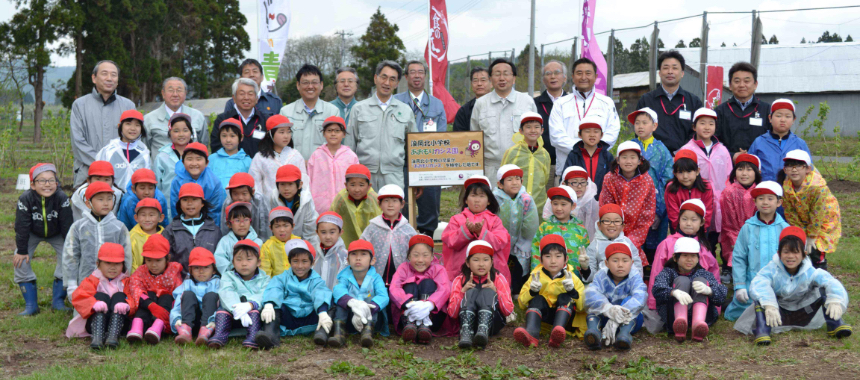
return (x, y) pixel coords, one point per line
(36, 347)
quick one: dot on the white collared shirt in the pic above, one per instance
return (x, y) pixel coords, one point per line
(420, 97)
(245, 120)
(383, 105)
(170, 112)
(553, 98)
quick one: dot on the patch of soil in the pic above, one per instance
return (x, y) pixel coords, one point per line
(844, 186)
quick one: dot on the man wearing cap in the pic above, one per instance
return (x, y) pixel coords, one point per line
(570, 110)
(480, 82)
(173, 91)
(744, 117)
(773, 146)
(377, 128)
(249, 111)
(498, 114)
(554, 77)
(429, 117)
(94, 117)
(269, 102)
(309, 112)
(674, 105)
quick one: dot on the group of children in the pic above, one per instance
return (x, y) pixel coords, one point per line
(287, 249)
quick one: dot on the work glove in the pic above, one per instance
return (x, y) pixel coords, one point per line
(583, 258)
(423, 309)
(834, 310)
(702, 288)
(535, 284)
(360, 313)
(682, 297)
(324, 322)
(409, 313)
(511, 318)
(100, 307)
(268, 314)
(568, 281)
(121, 308)
(609, 332)
(241, 309)
(619, 314)
(742, 296)
(772, 316)
(427, 322)
(810, 244)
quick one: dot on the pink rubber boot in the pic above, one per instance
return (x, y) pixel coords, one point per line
(680, 324)
(135, 334)
(700, 327)
(153, 334)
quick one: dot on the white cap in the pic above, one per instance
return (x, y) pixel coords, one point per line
(798, 155)
(687, 245)
(531, 116)
(781, 104)
(632, 117)
(571, 192)
(629, 145)
(390, 191)
(766, 187)
(695, 205)
(573, 169)
(704, 112)
(503, 171)
(477, 178)
(296, 243)
(482, 246)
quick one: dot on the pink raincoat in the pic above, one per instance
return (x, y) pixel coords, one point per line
(715, 168)
(405, 274)
(84, 298)
(328, 174)
(664, 253)
(456, 238)
(736, 205)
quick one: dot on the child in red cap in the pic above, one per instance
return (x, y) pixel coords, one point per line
(357, 204)
(737, 205)
(143, 185)
(292, 192)
(99, 171)
(360, 296)
(128, 152)
(43, 214)
(147, 214)
(239, 219)
(562, 222)
(242, 188)
(276, 150)
(196, 300)
(195, 169)
(150, 291)
(231, 158)
(180, 133)
(688, 184)
(610, 229)
(100, 302)
(327, 164)
(193, 227)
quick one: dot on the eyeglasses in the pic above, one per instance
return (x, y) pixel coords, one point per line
(45, 182)
(175, 91)
(345, 81)
(611, 222)
(551, 73)
(388, 79)
(794, 167)
(310, 83)
(410, 72)
(577, 183)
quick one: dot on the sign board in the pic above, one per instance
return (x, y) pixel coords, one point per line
(444, 158)
(23, 182)
(714, 88)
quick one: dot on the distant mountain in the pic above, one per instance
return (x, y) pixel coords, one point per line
(55, 76)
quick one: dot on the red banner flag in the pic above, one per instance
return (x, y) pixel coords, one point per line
(714, 90)
(436, 54)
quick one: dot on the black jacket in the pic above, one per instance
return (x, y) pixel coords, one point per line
(733, 125)
(463, 120)
(604, 158)
(544, 108)
(43, 217)
(249, 143)
(671, 131)
(182, 242)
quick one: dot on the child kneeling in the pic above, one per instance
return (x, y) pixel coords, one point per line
(360, 295)
(553, 295)
(615, 300)
(196, 299)
(789, 291)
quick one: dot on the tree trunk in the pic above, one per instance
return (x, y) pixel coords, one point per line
(79, 62)
(39, 107)
(21, 123)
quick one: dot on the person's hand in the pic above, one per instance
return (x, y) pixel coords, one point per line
(426, 321)
(100, 307)
(357, 322)
(740, 152)
(568, 281)
(742, 295)
(324, 322)
(810, 245)
(772, 316)
(835, 310)
(609, 332)
(246, 320)
(583, 258)
(18, 260)
(121, 308)
(535, 284)
(619, 314)
(241, 309)
(423, 309)
(469, 284)
(268, 314)
(511, 318)
(419, 191)
(178, 324)
(360, 309)
(490, 285)
(682, 297)
(702, 288)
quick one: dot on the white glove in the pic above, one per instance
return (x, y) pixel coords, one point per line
(568, 281)
(240, 309)
(511, 318)
(535, 284)
(772, 316)
(834, 310)
(682, 297)
(325, 322)
(427, 322)
(423, 309)
(409, 313)
(742, 296)
(246, 320)
(619, 314)
(810, 244)
(268, 314)
(358, 322)
(583, 258)
(702, 288)
(609, 332)
(360, 313)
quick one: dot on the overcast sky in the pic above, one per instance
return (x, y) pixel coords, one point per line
(481, 25)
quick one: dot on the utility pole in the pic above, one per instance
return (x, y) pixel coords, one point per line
(343, 34)
(531, 87)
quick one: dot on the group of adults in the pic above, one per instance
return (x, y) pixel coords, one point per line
(377, 126)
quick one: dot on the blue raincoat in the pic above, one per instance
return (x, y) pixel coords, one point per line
(212, 190)
(372, 289)
(301, 297)
(771, 150)
(200, 289)
(125, 214)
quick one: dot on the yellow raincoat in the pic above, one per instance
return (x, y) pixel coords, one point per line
(813, 208)
(138, 238)
(550, 290)
(535, 167)
(273, 257)
(355, 219)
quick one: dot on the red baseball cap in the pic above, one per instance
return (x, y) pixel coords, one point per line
(686, 153)
(695, 205)
(191, 190)
(553, 239)
(334, 120)
(561, 192)
(358, 171)
(41, 168)
(793, 231)
(197, 147)
(148, 202)
(277, 121)
(143, 175)
(101, 168)
(131, 114)
(237, 204)
(574, 172)
(751, 158)
(610, 208)
(200, 257)
(231, 121)
(288, 173)
(477, 179)
(112, 253)
(361, 245)
(421, 239)
(95, 188)
(614, 248)
(241, 179)
(156, 247)
(247, 243)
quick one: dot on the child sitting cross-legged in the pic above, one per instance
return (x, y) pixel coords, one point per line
(360, 295)
(615, 300)
(553, 295)
(240, 219)
(331, 249)
(150, 291)
(196, 300)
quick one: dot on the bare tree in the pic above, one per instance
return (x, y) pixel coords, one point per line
(321, 51)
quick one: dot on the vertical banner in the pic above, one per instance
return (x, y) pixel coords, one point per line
(590, 49)
(436, 55)
(714, 91)
(273, 28)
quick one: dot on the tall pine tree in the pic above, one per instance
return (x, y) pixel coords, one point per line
(380, 42)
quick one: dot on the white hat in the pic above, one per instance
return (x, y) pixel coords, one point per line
(632, 116)
(695, 205)
(798, 155)
(704, 112)
(590, 122)
(782, 104)
(390, 191)
(767, 187)
(531, 116)
(479, 246)
(574, 172)
(509, 169)
(570, 192)
(478, 179)
(629, 145)
(687, 245)
(296, 243)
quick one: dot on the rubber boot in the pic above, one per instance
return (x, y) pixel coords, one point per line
(424, 334)
(58, 292)
(528, 335)
(367, 336)
(135, 333)
(761, 330)
(114, 328)
(680, 324)
(203, 336)
(410, 330)
(482, 332)
(223, 324)
(31, 298)
(592, 333)
(623, 339)
(153, 334)
(320, 337)
(562, 315)
(97, 328)
(836, 327)
(270, 335)
(467, 328)
(183, 334)
(337, 339)
(251, 339)
(700, 327)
